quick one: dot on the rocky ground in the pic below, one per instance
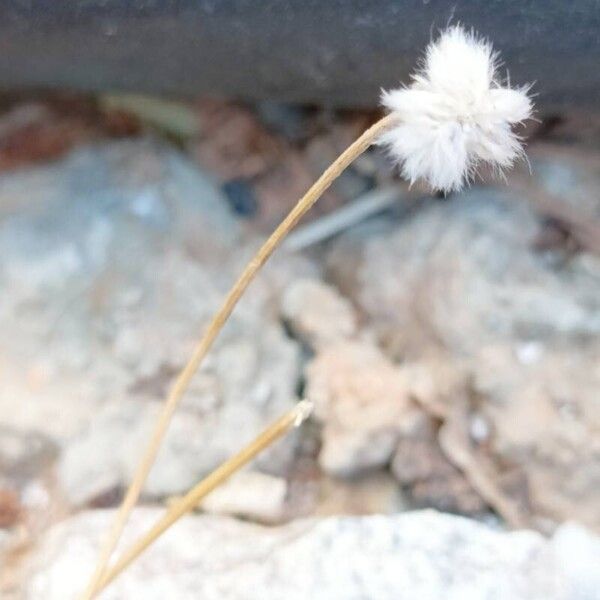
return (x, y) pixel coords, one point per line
(451, 347)
(418, 554)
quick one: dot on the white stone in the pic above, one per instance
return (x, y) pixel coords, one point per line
(577, 552)
(249, 494)
(424, 555)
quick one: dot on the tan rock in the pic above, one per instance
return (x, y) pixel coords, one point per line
(376, 493)
(361, 398)
(318, 313)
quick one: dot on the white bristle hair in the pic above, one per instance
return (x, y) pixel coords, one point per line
(456, 114)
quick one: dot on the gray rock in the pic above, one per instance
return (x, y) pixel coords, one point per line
(104, 456)
(248, 380)
(464, 273)
(92, 249)
(541, 404)
(112, 261)
(462, 280)
(569, 173)
(23, 455)
(424, 555)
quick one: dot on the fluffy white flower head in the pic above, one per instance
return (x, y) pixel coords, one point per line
(456, 114)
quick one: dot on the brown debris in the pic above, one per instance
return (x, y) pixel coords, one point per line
(10, 508)
(420, 464)
(44, 129)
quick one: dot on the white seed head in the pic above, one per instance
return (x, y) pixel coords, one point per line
(456, 114)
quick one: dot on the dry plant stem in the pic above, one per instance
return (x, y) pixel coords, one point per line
(183, 379)
(195, 495)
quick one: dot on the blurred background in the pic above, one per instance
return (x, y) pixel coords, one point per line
(451, 344)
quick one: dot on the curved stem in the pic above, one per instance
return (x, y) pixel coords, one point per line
(211, 332)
